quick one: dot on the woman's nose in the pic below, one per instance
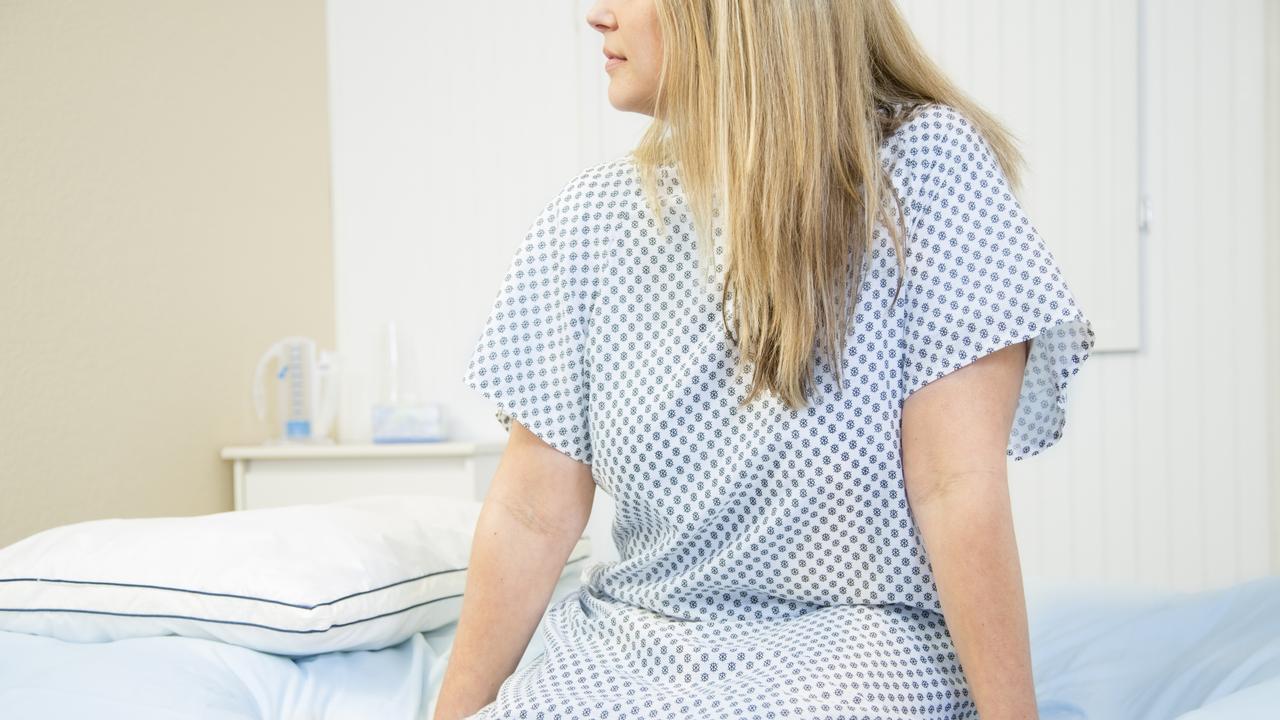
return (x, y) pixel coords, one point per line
(600, 17)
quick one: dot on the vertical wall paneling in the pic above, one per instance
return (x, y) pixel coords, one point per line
(1267, 435)
(1153, 492)
(1162, 475)
(1217, 256)
(1062, 76)
(1201, 456)
(1183, 210)
(1246, 354)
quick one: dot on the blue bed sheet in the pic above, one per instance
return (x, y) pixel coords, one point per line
(1104, 653)
(166, 678)
(1100, 653)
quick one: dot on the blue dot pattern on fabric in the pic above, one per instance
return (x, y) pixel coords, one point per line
(770, 566)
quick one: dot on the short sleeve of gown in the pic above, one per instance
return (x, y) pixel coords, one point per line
(979, 278)
(530, 359)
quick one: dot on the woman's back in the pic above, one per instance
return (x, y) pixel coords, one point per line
(769, 563)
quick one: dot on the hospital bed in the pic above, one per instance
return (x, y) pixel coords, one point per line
(139, 646)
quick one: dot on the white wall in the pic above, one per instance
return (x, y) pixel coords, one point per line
(1272, 329)
(453, 124)
(1163, 476)
(1062, 77)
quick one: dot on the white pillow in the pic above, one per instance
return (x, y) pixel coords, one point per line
(359, 574)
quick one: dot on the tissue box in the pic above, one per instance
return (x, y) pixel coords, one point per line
(407, 423)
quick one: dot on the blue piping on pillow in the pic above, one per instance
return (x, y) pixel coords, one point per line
(232, 622)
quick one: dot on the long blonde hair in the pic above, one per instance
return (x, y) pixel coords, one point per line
(779, 107)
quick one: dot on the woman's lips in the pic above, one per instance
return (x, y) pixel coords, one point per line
(613, 62)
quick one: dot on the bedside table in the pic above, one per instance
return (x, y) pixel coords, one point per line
(276, 475)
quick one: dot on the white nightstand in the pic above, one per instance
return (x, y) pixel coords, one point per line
(276, 475)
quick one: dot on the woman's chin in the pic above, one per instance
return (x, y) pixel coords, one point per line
(624, 101)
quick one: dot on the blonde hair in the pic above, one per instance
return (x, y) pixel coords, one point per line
(779, 108)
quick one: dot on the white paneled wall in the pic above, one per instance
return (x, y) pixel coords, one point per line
(454, 123)
(1207, 294)
(1162, 477)
(1272, 328)
(1062, 76)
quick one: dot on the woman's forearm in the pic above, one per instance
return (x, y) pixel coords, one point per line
(969, 536)
(511, 575)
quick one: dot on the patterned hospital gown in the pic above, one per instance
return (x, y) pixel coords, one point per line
(769, 562)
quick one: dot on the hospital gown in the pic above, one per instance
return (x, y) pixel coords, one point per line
(769, 563)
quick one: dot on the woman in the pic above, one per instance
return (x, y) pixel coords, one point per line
(796, 334)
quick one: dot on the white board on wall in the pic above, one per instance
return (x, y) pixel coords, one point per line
(1063, 77)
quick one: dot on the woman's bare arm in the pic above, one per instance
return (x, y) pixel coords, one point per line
(534, 512)
(955, 432)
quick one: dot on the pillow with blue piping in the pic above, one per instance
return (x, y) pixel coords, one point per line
(360, 574)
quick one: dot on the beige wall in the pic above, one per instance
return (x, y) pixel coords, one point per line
(164, 216)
